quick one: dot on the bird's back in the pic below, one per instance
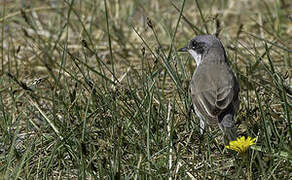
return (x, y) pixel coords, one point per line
(213, 89)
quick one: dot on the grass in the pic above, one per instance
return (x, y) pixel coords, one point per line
(96, 89)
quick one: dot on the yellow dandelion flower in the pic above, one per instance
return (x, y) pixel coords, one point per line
(241, 144)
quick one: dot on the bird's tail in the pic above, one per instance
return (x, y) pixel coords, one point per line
(227, 126)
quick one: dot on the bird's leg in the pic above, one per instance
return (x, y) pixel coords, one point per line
(190, 111)
(202, 131)
(202, 126)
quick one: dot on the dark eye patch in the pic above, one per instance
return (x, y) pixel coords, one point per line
(198, 46)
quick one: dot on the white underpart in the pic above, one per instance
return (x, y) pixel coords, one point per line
(196, 56)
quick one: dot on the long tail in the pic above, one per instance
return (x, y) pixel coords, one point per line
(226, 124)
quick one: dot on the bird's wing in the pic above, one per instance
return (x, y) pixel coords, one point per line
(206, 105)
(224, 97)
(210, 95)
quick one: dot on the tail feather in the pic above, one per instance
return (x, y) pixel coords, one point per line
(227, 126)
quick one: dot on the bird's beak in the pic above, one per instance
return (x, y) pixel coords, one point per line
(184, 49)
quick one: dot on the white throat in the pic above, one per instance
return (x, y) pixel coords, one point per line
(196, 56)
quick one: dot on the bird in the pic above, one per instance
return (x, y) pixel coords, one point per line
(214, 88)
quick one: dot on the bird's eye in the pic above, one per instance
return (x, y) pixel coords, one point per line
(194, 44)
(198, 46)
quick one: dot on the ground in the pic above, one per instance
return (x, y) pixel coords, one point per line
(96, 89)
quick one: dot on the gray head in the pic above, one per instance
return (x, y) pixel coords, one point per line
(205, 47)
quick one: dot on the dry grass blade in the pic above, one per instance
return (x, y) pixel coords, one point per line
(115, 104)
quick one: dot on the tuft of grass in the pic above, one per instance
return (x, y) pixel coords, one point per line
(96, 89)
